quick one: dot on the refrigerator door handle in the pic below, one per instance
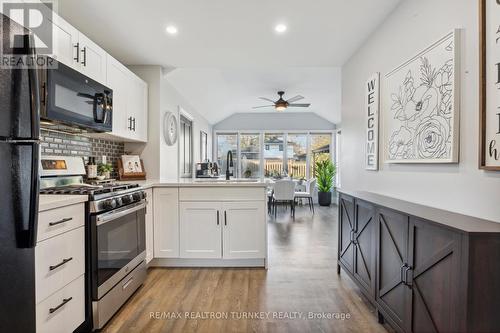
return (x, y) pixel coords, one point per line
(27, 228)
(34, 90)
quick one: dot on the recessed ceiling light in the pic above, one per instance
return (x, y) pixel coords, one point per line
(280, 28)
(172, 29)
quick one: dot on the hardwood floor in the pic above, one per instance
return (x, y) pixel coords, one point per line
(301, 278)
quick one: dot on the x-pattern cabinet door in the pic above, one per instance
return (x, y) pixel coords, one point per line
(392, 295)
(434, 267)
(346, 229)
(364, 246)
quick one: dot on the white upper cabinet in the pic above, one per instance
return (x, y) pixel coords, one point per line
(118, 80)
(138, 109)
(65, 42)
(130, 98)
(92, 59)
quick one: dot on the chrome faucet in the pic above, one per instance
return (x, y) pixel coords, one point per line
(229, 164)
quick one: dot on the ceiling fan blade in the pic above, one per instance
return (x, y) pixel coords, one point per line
(263, 106)
(299, 105)
(295, 99)
(267, 99)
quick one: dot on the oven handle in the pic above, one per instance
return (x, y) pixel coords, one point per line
(117, 213)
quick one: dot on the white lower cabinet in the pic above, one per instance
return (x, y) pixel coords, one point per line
(200, 230)
(166, 222)
(149, 226)
(244, 233)
(64, 310)
(227, 230)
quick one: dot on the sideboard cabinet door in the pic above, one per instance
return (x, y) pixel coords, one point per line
(393, 297)
(364, 246)
(434, 278)
(346, 230)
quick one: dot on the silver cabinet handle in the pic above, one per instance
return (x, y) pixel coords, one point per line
(84, 51)
(67, 219)
(77, 58)
(125, 286)
(63, 303)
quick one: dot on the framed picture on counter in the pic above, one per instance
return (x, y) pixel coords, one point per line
(131, 167)
(489, 83)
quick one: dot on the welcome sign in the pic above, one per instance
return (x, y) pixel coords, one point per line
(490, 84)
(372, 121)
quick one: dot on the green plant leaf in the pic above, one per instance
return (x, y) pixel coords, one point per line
(325, 174)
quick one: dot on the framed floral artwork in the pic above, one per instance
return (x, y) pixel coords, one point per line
(421, 106)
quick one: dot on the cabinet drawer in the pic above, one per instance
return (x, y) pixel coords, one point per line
(229, 193)
(64, 311)
(56, 221)
(58, 261)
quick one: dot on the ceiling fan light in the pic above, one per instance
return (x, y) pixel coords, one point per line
(280, 108)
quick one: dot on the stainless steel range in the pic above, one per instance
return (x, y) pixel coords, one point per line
(115, 241)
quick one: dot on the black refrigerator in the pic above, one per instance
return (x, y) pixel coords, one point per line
(19, 184)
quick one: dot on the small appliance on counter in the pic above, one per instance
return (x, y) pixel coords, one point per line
(115, 235)
(207, 170)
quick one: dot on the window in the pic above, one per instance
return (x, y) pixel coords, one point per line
(250, 155)
(225, 143)
(273, 155)
(320, 150)
(186, 147)
(296, 154)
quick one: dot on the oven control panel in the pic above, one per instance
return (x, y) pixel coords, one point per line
(119, 200)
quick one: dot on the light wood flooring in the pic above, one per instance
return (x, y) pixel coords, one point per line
(302, 277)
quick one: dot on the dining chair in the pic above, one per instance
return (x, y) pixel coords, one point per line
(284, 192)
(308, 194)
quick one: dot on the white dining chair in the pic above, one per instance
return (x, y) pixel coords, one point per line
(284, 192)
(308, 194)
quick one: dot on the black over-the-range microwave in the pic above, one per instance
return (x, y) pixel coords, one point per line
(73, 99)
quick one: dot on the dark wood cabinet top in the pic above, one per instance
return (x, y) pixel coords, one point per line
(454, 220)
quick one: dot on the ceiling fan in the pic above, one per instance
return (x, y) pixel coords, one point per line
(281, 104)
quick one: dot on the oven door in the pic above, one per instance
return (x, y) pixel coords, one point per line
(119, 246)
(71, 98)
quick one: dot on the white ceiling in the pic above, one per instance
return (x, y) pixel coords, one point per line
(218, 93)
(227, 51)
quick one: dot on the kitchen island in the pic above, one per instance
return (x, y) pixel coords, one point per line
(206, 223)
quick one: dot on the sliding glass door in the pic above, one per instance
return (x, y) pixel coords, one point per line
(321, 144)
(296, 155)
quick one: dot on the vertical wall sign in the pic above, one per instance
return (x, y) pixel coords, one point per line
(372, 121)
(489, 150)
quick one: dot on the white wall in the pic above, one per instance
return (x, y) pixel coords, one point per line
(412, 27)
(160, 160)
(287, 121)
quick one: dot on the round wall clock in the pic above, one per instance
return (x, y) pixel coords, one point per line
(170, 128)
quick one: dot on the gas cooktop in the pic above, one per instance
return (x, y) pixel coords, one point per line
(94, 191)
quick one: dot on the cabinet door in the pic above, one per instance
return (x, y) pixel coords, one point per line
(166, 222)
(92, 59)
(346, 229)
(118, 80)
(244, 231)
(66, 45)
(433, 277)
(137, 108)
(364, 246)
(149, 226)
(200, 230)
(392, 295)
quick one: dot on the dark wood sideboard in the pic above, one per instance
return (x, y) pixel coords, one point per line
(423, 268)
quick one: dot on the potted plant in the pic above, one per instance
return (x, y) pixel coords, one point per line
(105, 169)
(325, 173)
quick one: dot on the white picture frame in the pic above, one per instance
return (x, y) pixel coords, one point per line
(421, 104)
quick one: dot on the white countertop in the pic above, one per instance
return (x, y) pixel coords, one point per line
(200, 182)
(52, 201)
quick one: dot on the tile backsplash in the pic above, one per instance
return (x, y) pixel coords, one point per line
(66, 144)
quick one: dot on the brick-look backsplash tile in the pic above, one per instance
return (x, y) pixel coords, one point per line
(59, 143)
